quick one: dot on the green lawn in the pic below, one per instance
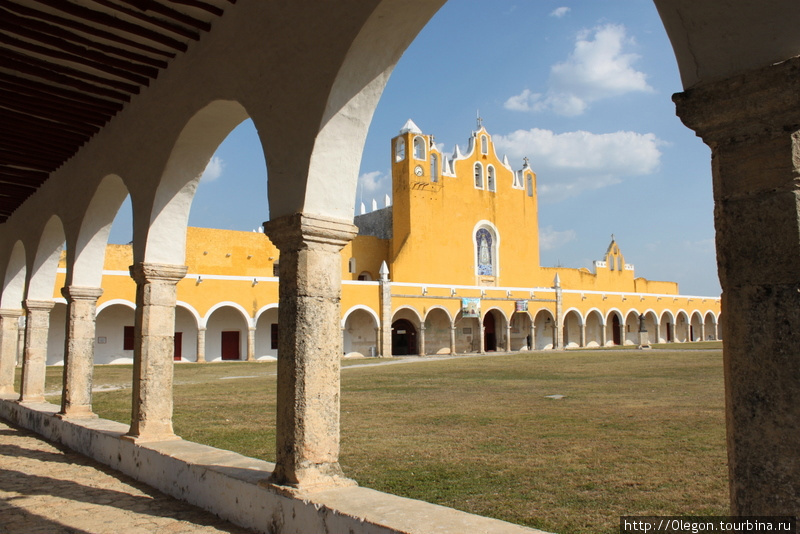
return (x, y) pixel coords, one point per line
(636, 432)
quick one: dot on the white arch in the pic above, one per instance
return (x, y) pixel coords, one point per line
(600, 313)
(413, 311)
(14, 282)
(367, 309)
(669, 314)
(90, 248)
(191, 309)
(494, 308)
(581, 318)
(165, 228)
(227, 304)
(112, 302)
(617, 311)
(264, 309)
(42, 279)
(437, 307)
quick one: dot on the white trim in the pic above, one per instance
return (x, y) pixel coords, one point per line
(191, 309)
(367, 309)
(227, 304)
(113, 302)
(496, 248)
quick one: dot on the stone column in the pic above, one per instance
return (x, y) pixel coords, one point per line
(603, 336)
(34, 360)
(558, 332)
(481, 338)
(201, 345)
(307, 419)
(623, 335)
(583, 335)
(452, 340)
(532, 345)
(508, 337)
(76, 397)
(422, 338)
(9, 337)
(752, 124)
(251, 344)
(385, 346)
(657, 334)
(21, 340)
(151, 413)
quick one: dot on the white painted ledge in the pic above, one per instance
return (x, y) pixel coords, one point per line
(227, 483)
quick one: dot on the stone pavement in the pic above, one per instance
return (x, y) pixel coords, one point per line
(46, 489)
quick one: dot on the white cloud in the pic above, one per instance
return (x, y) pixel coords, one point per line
(550, 239)
(572, 162)
(560, 12)
(596, 69)
(373, 181)
(213, 170)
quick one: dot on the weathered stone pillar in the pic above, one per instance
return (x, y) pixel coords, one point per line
(452, 340)
(251, 344)
(76, 397)
(532, 345)
(603, 336)
(21, 340)
(9, 337)
(481, 336)
(422, 338)
(657, 334)
(307, 422)
(583, 335)
(702, 332)
(508, 337)
(752, 124)
(201, 345)
(385, 346)
(34, 360)
(151, 413)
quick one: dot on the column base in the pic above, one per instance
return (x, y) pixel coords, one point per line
(31, 400)
(321, 483)
(80, 412)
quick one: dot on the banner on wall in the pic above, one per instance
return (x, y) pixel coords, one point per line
(521, 306)
(471, 308)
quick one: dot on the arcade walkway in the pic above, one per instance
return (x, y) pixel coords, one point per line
(45, 490)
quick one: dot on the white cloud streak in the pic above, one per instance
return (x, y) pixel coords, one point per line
(213, 170)
(572, 162)
(596, 69)
(550, 239)
(559, 12)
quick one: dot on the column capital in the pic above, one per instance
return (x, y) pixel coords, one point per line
(301, 230)
(38, 305)
(151, 272)
(11, 312)
(759, 103)
(81, 292)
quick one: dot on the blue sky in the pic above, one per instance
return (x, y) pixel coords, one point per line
(582, 88)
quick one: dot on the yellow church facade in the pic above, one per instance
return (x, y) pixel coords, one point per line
(450, 265)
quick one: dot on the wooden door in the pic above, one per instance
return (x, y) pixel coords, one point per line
(178, 354)
(231, 345)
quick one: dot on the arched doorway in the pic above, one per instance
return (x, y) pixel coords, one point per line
(489, 333)
(404, 338)
(616, 332)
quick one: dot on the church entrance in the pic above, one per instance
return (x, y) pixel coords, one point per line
(489, 336)
(615, 330)
(404, 338)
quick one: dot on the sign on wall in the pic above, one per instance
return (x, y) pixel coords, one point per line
(471, 308)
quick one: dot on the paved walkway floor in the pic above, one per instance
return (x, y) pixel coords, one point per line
(47, 489)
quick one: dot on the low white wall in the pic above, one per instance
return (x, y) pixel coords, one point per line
(228, 484)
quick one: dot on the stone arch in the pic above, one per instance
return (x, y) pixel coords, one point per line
(42, 276)
(615, 326)
(595, 328)
(113, 318)
(710, 326)
(573, 324)
(544, 328)
(682, 326)
(697, 327)
(56, 333)
(437, 330)
(267, 332)
(360, 332)
(227, 327)
(494, 330)
(667, 327)
(632, 327)
(468, 331)
(165, 229)
(405, 331)
(85, 259)
(652, 325)
(187, 324)
(14, 281)
(521, 335)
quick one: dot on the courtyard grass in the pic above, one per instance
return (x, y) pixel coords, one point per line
(635, 433)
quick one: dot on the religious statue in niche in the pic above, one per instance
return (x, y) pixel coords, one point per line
(484, 241)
